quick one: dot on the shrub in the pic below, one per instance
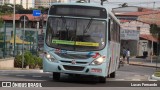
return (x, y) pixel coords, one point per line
(18, 61)
(39, 62)
(29, 60)
(157, 73)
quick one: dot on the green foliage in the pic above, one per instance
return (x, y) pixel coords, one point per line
(154, 29)
(43, 9)
(29, 60)
(1, 22)
(29, 36)
(1, 35)
(157, 73)
(124, 5)
(8, 8)
(18, 61)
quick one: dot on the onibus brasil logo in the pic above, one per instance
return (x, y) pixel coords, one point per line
(21, 84)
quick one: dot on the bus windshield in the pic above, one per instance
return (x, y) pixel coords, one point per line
(76, 34)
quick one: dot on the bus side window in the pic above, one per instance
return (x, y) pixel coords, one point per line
(109, 36)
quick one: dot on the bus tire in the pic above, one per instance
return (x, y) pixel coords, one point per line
(56, 76)
(113, 75)
(102, 79)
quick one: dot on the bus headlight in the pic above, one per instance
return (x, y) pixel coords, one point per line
(98, 61)
(50, 57)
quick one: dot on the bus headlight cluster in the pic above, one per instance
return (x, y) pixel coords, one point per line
(98, 60)
(50, 57)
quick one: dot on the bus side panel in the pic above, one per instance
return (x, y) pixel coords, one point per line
(114, 57)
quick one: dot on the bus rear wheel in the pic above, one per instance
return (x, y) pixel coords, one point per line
(56, 76)
(113, 75)
(102, 79)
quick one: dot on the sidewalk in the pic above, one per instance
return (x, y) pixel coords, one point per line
(145, 62)
(20, 70)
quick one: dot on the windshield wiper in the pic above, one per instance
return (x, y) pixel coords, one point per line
(88, 25)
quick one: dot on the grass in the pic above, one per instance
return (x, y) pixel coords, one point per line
(157, 73)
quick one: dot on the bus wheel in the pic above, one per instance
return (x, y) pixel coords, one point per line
(102, 79)
(112, 75)
(56, 76)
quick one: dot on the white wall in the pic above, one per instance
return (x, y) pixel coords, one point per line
(143, 46)
(137, 47)
(144, 28)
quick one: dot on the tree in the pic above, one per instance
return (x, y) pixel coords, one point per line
(155, 31)
(1, 21)
(43, 9)
(8, 8)
(124, 5)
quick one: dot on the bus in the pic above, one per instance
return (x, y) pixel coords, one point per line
(81, 39)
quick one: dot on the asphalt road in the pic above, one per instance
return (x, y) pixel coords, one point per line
(125, 73)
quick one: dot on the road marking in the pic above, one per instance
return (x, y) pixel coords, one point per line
(136, 79)
(37, 76)
(146, 75)
(137, 75)
(4, 74)
(46, 72)
(120, 79)
(150, 79)
(41, 71)
(20, 75)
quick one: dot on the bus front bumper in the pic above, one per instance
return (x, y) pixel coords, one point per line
(95, 70)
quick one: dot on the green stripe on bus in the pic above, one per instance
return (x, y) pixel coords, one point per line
(75, 43)
(63, 42)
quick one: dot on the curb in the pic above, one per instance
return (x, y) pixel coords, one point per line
(150, 79)
(155, 78)
(22, 71)
(144, 65)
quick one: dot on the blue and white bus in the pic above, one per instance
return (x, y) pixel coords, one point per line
(83, 39)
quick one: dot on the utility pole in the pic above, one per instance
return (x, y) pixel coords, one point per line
(24, 18)
(102, 1)
(152, 40)
(14, 31)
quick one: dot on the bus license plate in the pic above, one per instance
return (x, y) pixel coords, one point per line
(96, 70)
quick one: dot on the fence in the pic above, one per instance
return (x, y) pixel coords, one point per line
(27, 38)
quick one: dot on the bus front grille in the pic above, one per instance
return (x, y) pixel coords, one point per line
(75, 68)
(71, 62)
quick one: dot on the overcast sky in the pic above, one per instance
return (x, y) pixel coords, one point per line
(142, 3)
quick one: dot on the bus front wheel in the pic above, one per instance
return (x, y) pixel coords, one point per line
(113, 75)
(102, 79)
(56, 76)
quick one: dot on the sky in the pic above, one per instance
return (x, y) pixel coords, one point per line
(141, 3)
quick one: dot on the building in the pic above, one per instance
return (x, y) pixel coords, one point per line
(32, 3)
(131, 12)
(152, 18)
(135, 19)
(128, 9)
(2, 2)
(47, 3)
(143, 43)
(25, 3)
